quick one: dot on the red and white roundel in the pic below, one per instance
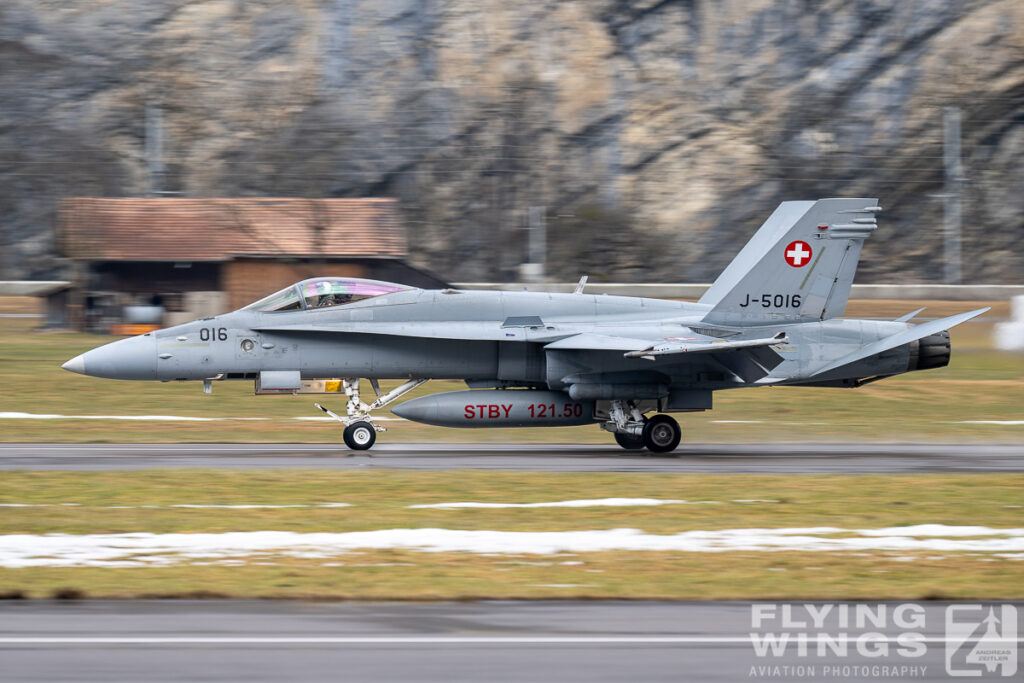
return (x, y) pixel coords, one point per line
(798, 254)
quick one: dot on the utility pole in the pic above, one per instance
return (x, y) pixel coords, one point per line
(610, 182)
(954, 186)
(537, 245)
(154, 148)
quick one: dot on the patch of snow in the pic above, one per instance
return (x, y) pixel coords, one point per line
(148, 549)
(937, 530)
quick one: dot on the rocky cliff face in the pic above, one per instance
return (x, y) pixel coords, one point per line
(657, 134)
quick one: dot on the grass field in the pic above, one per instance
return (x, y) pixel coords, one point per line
(112, 502)
(937, 405)
(940, 405)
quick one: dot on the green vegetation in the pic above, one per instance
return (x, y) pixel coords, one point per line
(980, 385)
(380, 500)
(402, 575)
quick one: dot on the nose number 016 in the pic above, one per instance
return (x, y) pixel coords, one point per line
(213, 334)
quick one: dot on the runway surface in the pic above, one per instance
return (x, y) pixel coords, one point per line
(482, 641)
(690, 458)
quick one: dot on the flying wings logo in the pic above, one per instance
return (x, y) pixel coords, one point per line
(798, 254)
(981, 640)
(882, 640)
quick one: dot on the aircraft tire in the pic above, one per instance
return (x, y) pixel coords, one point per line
(629, 442)
(359, 436)
(661, 434)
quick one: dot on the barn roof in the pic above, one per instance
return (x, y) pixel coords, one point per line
(215, 229)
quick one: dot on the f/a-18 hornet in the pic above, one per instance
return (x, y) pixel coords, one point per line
(538, 359)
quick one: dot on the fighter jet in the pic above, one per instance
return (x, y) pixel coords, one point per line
(541, 359)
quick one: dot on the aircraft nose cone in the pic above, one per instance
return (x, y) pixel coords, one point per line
(131, 358)
(76, 364)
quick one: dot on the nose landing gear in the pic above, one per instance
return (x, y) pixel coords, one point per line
(360, 436)
(360, 428)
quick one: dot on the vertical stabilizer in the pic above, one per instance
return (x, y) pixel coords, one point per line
(798, 267)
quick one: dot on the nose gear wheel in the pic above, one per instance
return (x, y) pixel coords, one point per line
(359, 436)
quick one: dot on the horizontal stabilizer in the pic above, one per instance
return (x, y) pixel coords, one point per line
(899, 339)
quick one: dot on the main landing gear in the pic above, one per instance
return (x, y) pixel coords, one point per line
(634, 432)
(360, 429)
(661, 434)
(630, 443)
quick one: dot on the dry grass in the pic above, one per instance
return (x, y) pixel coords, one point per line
(979, 385)
(380, 500)
(403, 575)
(20, 304)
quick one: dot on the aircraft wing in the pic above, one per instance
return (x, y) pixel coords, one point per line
(587, 341)
(710, 346)
(899, 339)
(748, 359)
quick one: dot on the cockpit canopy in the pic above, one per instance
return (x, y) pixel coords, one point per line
(322, 292)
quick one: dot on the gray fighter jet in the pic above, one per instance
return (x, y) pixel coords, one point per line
(537, 359)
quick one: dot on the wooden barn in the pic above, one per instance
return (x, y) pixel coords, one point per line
(136, 259)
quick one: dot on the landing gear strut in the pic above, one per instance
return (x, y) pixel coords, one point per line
(360, 429)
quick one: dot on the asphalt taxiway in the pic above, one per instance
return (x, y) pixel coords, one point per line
(480, 641)
(689, 458)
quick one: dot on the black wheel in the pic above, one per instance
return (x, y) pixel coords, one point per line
(661, 434)
(359, 436)
(629, 442)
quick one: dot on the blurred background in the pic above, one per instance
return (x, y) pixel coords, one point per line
(633, 141)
